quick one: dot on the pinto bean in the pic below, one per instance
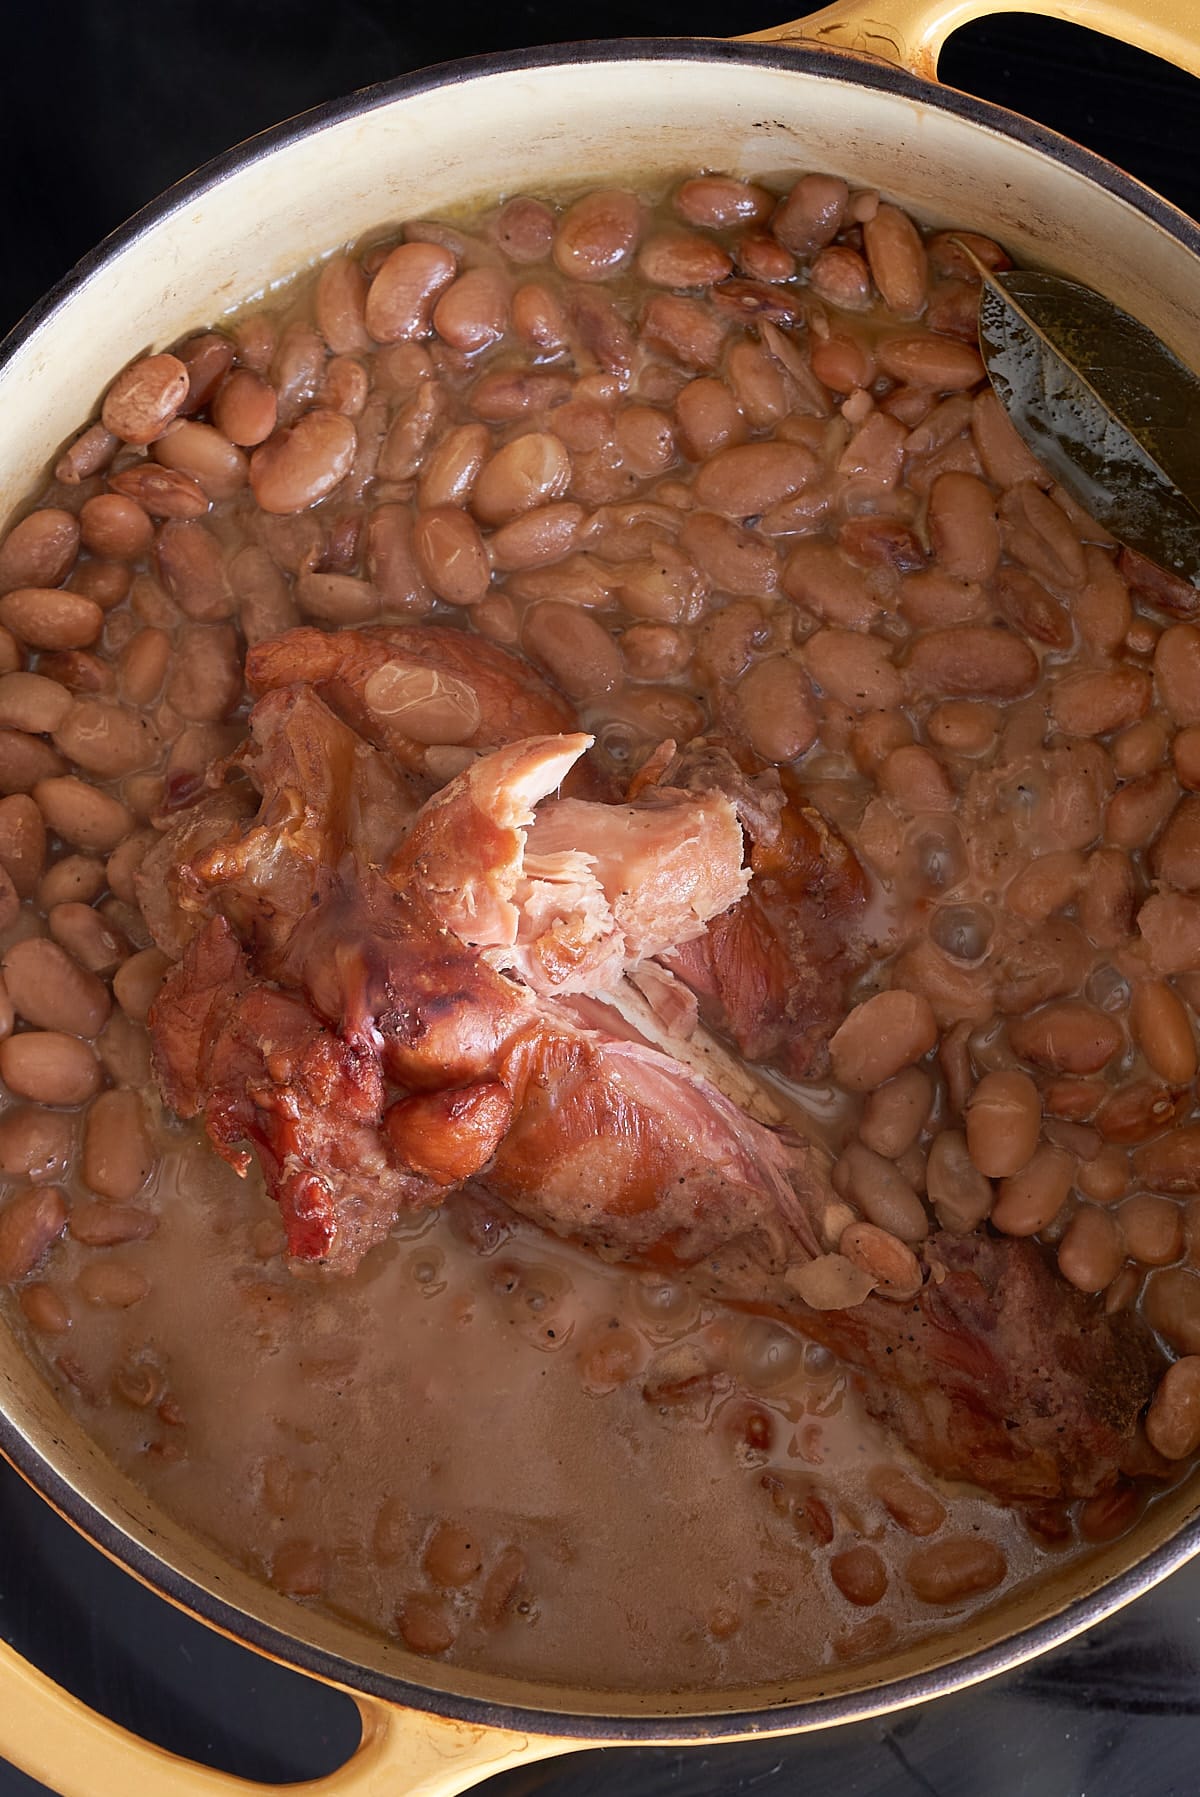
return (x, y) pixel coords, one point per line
(682, 259)
(579, 653)
(111, 525)
(1003, 1121)
(684, 329)
(597, 236)
(22, 842)
(1162, 1030)
(472, 312)
(955, 1567)
(897, 259)
(303, 463)
(51, 618)
(49, 1066)
(1030, 1198)
(1173, 1420)
(35, 1143)
(51, 991)
(339, 303)
(1067, 1037)
(1138, 811)
(82, 815)
(136, 983)
(1152, 1228)
(74, 879)
(910, 1505)
(885, 1033)
(337, 599)
(118, 1154)
(107, 740)
(1093, 703)
(972, 661)
(205, 682)
(842, 279)
(820, 577)
(245, 409)
(774, 703)
(205, 455)
(963, 527)
(32, 703)
(854, 669)
(144, 399)
(451, 556)
(400, 300)
(1092, 1250)
(112, 1284)
(1171, 1305)
(811, 215)
(882, 1194)
(191, 563)
(958, 1191)
(30, 1223)
(26, 760)
(925, 359)
(1177, 673)
(85, 936)
(896, 1111)
(527, 472)
(716, 202)
(39, 550)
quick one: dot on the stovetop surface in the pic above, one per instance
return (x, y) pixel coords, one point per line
(102, 104)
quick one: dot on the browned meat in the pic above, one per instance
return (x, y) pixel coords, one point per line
(772, 973)
(999, 1372)
(263, 1070)
(350, 669)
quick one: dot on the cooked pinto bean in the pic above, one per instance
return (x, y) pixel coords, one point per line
(1067, 1037)
(898, 263)
(885, 1033)
(143, 400)
(578, 652)
(969, 661)
(48, 618)
(400, 299)
(81, 814)
(896, 1112)
(1003, 1120)
(49, 1066)
(39, 551)
(302, 464)
(451, 556)
(118, 1154)
(854, 669)
(530, 471)
(1173, 1420)
(883, 1195)
(30, 1223)
(597, 236)
(962, 526)
(22, 842)
(774, 704)
(958, 1191)
(51, 991)
(955, 1567)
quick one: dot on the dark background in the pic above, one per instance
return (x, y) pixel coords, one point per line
(103, 105)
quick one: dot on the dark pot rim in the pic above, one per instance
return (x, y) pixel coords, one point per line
(861, 71)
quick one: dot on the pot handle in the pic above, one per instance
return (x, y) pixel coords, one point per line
(910, 33)
(55, 1738)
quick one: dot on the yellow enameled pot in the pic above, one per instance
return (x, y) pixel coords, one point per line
(842, 90)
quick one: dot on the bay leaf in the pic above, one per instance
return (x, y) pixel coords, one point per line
(1103, 403)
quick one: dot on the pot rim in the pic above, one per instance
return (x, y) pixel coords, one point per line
(856, 69)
